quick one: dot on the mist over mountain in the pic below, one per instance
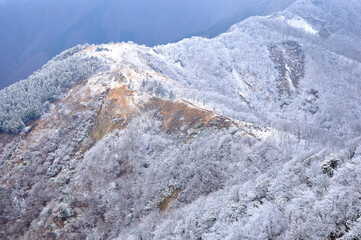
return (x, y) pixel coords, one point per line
(253, 134)
(34, 31)
(249, 8)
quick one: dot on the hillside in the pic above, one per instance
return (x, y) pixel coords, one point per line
(254, 134)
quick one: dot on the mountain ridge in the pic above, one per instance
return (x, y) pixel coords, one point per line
(35, 31)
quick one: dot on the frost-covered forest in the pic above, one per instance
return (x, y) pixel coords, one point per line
(30, 98)
(254, 134)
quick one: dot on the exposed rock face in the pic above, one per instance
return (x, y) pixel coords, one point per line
(289, 60)
(193, 140)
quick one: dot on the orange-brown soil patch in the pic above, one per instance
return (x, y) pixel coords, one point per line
(167, 200)
(182, 116)
(114, 114)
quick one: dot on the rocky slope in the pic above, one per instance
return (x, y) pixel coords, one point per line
(250, 135)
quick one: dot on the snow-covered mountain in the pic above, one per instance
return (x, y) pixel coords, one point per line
(254, 134)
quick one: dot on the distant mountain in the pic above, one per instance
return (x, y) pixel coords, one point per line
(254, 134)
(32, 32)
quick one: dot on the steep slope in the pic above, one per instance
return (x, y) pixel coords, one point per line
(298, 75)
(254, 134)
(130, 104)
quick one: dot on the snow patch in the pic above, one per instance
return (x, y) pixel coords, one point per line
(300, 23)
(118, 54)
(241, 84)
(288, 77)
